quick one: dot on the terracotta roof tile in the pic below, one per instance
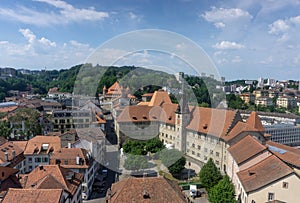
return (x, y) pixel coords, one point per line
(20, 144)
(245, 149)
(13, 152)
(42, 144)
(49, 176)
(286, 153)
(115, 88)
(215, 122)
(149, 189)
(8, 109)
(68, 156)
(33, 195)
(239, 128)
(263, 173)
(255, 122)
(160, 97)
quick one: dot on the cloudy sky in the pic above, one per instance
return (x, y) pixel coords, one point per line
(245, 39)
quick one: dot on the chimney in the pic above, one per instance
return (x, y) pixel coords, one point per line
(13, 152)
(77, 160)
(6, 156)
(69, 145)
(41, 167)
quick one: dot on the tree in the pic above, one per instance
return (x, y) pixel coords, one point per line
(135, 147)
(173, 160)
(222, 192)
(5, 129)
(154, 145)
(135, 162)
(178, 166)
(209, 175)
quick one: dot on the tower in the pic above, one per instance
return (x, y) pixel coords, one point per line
(183, 116)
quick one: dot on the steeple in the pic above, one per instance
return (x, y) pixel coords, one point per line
(183, 107)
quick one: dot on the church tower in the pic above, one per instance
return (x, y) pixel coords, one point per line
(183, 117)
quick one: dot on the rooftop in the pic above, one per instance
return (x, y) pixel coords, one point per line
(264, 173)
(33, 195)
(246, 149)
(148, 189)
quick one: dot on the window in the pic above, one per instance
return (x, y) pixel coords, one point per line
(211, 151)
(205, 149)
(252, 201)
(29, 160)
(270, 196)
(285, 185)
(193, 153)
(199, 147)
(66, 162)
(217, 154)
(198, 154)
(38, 159)
(217, 162)
(193, 145)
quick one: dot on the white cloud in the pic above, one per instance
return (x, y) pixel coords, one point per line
(66, 14)
(28, 35)
(47, 42)
(295, 20)
(221, 16)
(132, 16)
(219, 25)
(37, 52)
(278, 26)
(228, 45)
(268, 60)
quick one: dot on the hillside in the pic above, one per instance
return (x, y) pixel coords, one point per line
(89, 80)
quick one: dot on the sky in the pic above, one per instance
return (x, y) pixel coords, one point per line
(245, 39)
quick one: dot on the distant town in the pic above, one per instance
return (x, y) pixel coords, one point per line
(152, 144)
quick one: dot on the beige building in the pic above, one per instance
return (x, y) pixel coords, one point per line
(247, 97)
(286, 102)
(269, 180)
(263, 101)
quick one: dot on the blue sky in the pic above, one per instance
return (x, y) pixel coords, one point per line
(245, 39)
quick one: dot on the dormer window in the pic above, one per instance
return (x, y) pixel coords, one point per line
(45, 147)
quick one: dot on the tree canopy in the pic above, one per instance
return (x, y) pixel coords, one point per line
(222, 192)
(173, 159)
(135, 162)
(209, 175)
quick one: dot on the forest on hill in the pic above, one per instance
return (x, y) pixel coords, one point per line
(90, 80)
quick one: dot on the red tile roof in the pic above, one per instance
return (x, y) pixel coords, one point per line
(8, 109)
(8, 179)
(216, 122)
(286, 153)
(35, 145)
(68, 156)
(160, 97)
(53, 177)
(255, 122)
(33, 195)
(114, 89)
(264, 173)
(245, 149)
(13, 152)
(148, 189)
(239, 128)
